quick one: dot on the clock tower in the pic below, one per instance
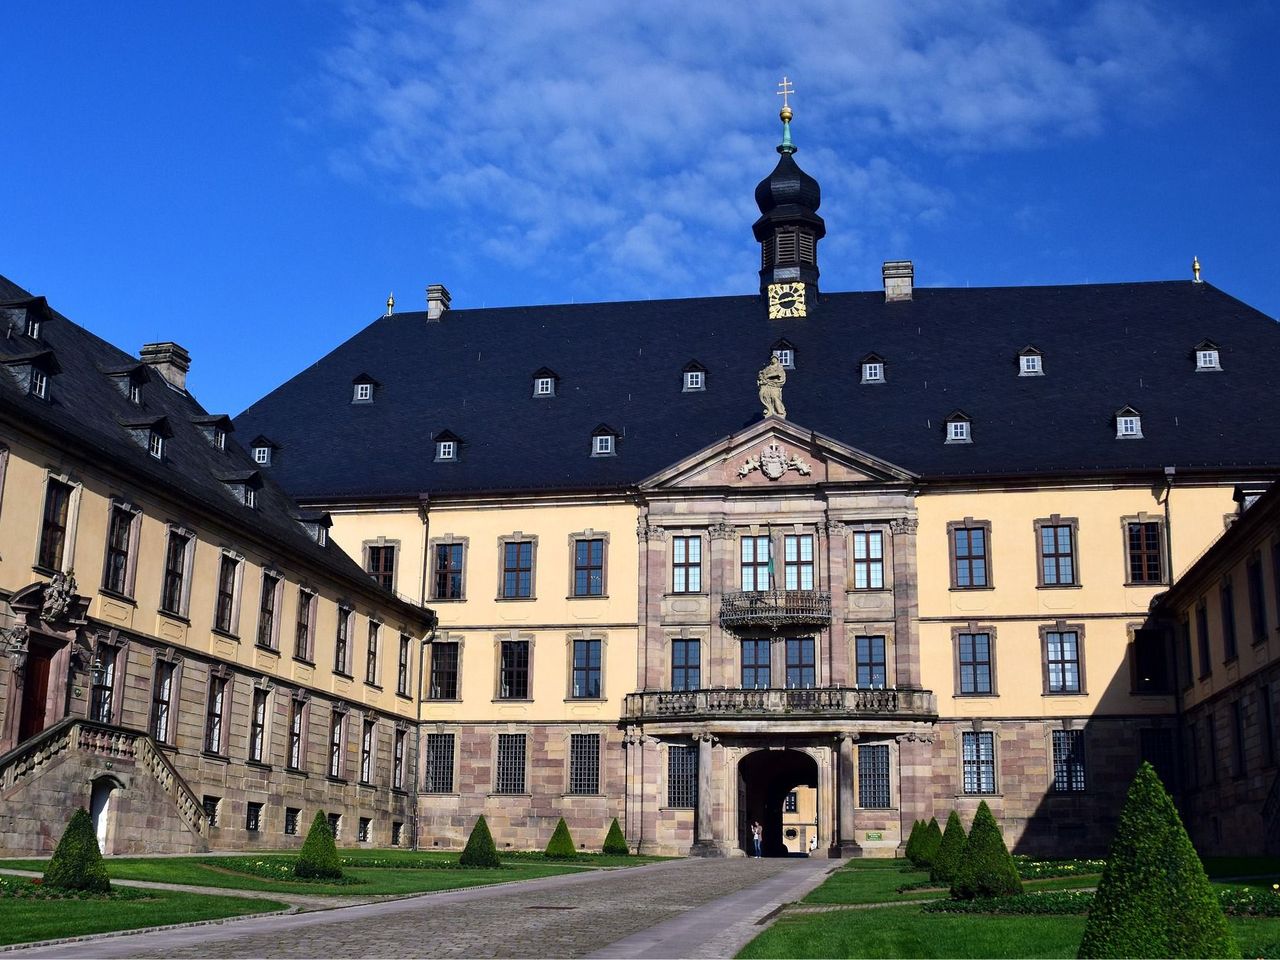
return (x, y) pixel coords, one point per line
(789, 229)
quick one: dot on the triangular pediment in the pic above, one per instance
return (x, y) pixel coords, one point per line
(776, 452)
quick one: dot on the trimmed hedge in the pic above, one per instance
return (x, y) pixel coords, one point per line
(615, 843)
(560, 846)
(1051, 902)
(319, 857)
(930, 843)
(480, 851)
(913, 842)
(947, 860)
(986, 869)
(1154, 899)
(77, 862)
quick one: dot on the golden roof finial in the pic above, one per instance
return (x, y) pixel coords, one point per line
(1195, 269)
(785, 89)
(391, 304)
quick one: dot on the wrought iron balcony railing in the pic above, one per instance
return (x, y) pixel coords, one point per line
(774, 609)
(779, 703)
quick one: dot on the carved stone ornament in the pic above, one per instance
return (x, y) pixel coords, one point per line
(13, 644)
(773, 463)
(59, 597)
(904, 525)
(721, 531)
(646, 531)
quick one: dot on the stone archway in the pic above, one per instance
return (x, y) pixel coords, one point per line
(765, 777)
(103, 799)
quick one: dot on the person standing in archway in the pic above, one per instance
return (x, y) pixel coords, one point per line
(757, 835)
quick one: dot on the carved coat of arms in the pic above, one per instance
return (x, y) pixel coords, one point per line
(59, 596)
(773, 462)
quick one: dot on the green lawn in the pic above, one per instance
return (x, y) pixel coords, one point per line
(22, 921)
(876, 881)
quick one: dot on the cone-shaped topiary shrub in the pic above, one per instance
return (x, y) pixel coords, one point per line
(913, 842)
(1154, 899)
(480, 851)
(615, 843)
(560, 846)
(77, 863)
(986, 869)
(319, 857)
(930, 842)
(947, 861)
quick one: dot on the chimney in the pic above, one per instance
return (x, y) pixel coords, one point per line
(898, 279)
(169, 360)
(437, 301)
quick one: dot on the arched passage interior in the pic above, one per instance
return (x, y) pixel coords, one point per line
(765, 777)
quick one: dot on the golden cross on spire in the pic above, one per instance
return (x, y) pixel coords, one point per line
(785, 89)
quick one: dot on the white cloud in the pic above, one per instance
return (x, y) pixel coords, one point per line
(619, 142)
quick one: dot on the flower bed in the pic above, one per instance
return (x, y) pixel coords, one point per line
(21, 888)
(1050, 902)
(272, 868)
(1042, 869)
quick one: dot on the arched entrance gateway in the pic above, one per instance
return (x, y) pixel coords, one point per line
(766, 779)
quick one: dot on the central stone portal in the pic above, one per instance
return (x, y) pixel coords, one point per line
(765, 779)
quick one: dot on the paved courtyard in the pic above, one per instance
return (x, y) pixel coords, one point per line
(683, 908)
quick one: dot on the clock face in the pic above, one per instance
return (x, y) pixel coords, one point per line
(786, 300)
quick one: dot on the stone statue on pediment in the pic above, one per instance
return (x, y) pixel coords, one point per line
(770, 380)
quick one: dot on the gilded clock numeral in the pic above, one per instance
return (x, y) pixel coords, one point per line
(786, 300)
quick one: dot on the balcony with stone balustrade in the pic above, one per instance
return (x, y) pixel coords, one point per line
(827, 703)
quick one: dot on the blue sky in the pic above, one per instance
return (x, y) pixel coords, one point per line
(252, 179)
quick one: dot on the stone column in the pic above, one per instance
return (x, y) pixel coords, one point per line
(906, 603)
(845, 843)
(715, 673)
(836, 581)
(706, 843)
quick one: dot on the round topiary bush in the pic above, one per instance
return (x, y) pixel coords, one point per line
(913, 842)
(319, 857)
(986, 868)
(615, 844)
(560, 846)
(950, 852)
(930, 842)
(480, 851)
(77, 862)
(1154, 899)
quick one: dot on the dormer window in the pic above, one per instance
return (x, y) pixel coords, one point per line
(693, 377)
(149, 432)
(362, 388)
(32, 370)
(786, 354)
(219, 438)
(32, 326)
(545, 382)
(317, 526)
(448, 445)
(262, 455)
(215, 428)
(244, 486)
(135, 393)
(262, 450)
(604, 441)
(1207, 358)
(872, 369)
(155, 444)
(1128, 424)
(1030, 362)
(251, 498)
(958, 431)
(39, 385)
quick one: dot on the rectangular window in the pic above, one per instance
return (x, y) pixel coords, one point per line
(162, 696)
(682, 776)
(1062, 652)
(382, 565)
(586, 669)
(1266, 715)
(371, 655)
(1202, 640)
(801, 668)
(155, 445)
(39, 384)
(225, 607)
(756, 563)
(115, 576)
(341, 643)
(517, 570)
(1150, 663)
(403, 666)
(53, 529)
(267, 611)
(175, 572)
(253, 817)
(368, 732)
(210, 804)
(448, 571)
(444, 672)
(686, 665)
(979, 760)
(1068, 761)
(1211, 739)
(397, 760)
(397, 832)
(439, 765)
(973, 651)
(588, 568)
(873, 776)
(686, 565)
(791, 803)
(1156, 748)
(755, 664)
(297, 738)
(335, 824)
(584, 763)
(1057, 556)
(797, 561)
(102, 695)
(868, 560)
(1227, 597)
(337, 739)
(1145, 553)
(509, 776)
(872, 672)
(513, 671)
(258, 726)
(291, 817)
(215, 716)
(302, 634)
(969, 557)
(1257, 607)
(363, 826)
(1238, 765)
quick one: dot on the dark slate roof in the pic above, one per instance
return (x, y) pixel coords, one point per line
(1105, 346)
(92, 414)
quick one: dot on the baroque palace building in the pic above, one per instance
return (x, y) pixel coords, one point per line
(183, 651)
(904, 566)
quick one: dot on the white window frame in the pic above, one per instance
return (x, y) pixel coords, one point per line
(39, 384)
(135, 393)
(363, 393)
(1128, 427)
(694, 380)
(786, 356)
(1208, 359)
(1030, 365)
(155, 445)
(873, 372)
(32, 327)
(602, 445)
(262, 456)
(219, 438)
(544, 386)
(250, 497)
(958, 431)
(446, 450)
